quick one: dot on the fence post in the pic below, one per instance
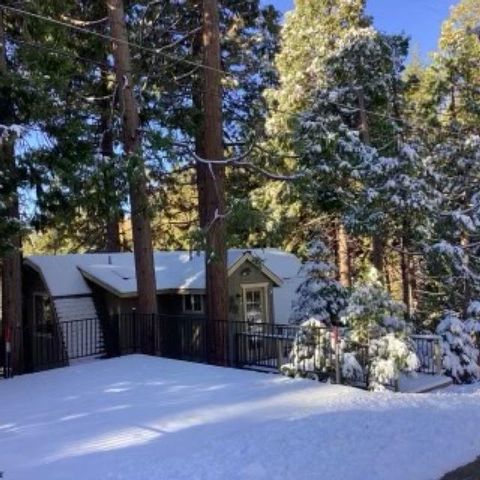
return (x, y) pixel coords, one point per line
(134, 330)
(8, 371)
(438, 356)
(153, 333)
(279, 354)
(117, 332)
(230, 346)
(338, 374)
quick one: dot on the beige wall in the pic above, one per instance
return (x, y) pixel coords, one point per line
(235, 292)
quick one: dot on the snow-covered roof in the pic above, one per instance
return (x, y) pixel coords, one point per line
(65, 275)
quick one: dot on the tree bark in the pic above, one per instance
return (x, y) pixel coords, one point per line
(405, 270)
(12, 260)
(197, 99)
(112, 212)
(467, 292)
(344, 271)
(141, 226)
(214, 183)
(413, 285)
(378, 253)
(377, 240)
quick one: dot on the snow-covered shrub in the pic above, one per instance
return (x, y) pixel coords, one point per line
(320, 296)
(313, 355)
(459, 353)
(374, 318)
(371, 312)
(352, 371)
(391, 354)
(472, 323)
(312, 351)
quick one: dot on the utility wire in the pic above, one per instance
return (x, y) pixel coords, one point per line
(199, 65)
(102, 66)
(153, 51)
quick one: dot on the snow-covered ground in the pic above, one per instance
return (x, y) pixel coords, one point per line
(139, 417)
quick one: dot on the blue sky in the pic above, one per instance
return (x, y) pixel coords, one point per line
(420, 19)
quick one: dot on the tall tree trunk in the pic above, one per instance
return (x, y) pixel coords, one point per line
(344, 272)
(12, 260)
(141, 226)
(467, 292)
(214, 183)
(112, 211)
(413, 268)
(377, 240)
(197, 99)
(378, 253)
(388, 279)
(405, 270)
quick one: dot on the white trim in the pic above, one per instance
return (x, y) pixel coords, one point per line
(247, 256)
(266, 296)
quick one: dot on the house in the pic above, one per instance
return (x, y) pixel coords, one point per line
(60, 289)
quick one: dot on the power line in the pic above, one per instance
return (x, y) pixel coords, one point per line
(103, 67)
(199, 65)
(153, 51)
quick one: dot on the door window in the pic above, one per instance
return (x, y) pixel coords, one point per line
(254, 305)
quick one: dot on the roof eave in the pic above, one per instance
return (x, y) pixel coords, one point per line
(247, 256)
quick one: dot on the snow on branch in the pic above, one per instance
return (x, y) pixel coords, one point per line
(179, 40)
(82, 23)
(7, 130)
(241, 161)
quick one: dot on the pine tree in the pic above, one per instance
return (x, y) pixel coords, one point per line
(374, 318)
(390, 356)
(398, 196)
(452, 258)
(371, 312)
(459, 354)
(320, 296)
(10, 224)
(141, 226)
(336, 137)
(78, 185)
(311, 32)
(312, 352)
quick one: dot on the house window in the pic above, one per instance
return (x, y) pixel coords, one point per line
(43, 314)
(192, 303)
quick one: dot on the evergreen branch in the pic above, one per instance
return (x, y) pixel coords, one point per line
(82, 23)
(110, 38)
(240, 161)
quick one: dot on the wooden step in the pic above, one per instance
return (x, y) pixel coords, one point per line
(423, 383)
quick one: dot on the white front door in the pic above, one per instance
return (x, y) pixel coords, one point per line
(254, 300)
